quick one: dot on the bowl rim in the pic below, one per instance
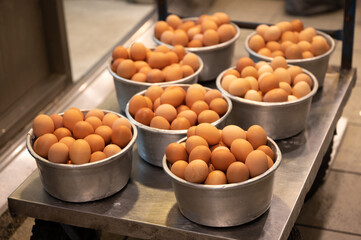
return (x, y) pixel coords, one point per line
(148, 84)
(269, 104)
(228, 186)
(328, 38)
(30, 137)
(203, 49)
(157, 130)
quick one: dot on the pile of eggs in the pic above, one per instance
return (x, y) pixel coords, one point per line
(161, 64)
(212, 156)
(174, 108)
(288, 39)
(207, 30)
(267, 82)
(75, 138)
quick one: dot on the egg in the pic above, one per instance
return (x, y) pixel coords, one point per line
(126, 69)
(96, 142)
(208, 24)
(180, 123)
(208, 116)
(191, 131)
(43, 143)
(294, 71)
(209, 132)
(268, 83)
(144, 115)
(158, 60)
(241, 148)
(193, 31)
(277, 53)
(232, 132)
(194, 141)
(79, 152)
(276, 95)
(239, 87)
(160, 123)
(237, 172)
(175, 152)
(249, 71)
(174, 97)
(253, 95)
(285, 86)
(135, 103)
(216, 177)
(185, 26)
(94, 121)
(221, 159)
(226, 81)
(256, 135)
(122, 121)
(199, 106)
(244, 62)
(167, 111)
(58, 120)
(167, 37)
(273, 33)
(180, 51)
(307, 54)
(121, 136)
(180, 37)
(282, 75)
(182, 108)
(193, 95)
(232, 72)
(111, 149)
(303, 77)
(278, 62)
(58, 153)
(196, 171)
(105, 132)
(267, 150)
(67, 141)
(222, 17)
(139, 77)
(307, 34)
(153, 92)
(82, 129)
(319, 46)
(120, 52)
(192, 60)
(301, 89)
(226, 32)
(173, 20)
(219, 105)
(261, 29)
(137, 51)
(178, 168)
(109, 119)
(297, 25)
(289, 36)
(253, 82)
(43, 124)
(200, 152)
(256, 42)
(62, 132)
(190, 115)
(212, 94)
(257, 163)
(115, 64)
(97, 156)
(293, 52)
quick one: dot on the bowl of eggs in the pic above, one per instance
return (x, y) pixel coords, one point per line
(138, 68)
(305, 47)
(163, 114)
(82, 155)
(275, 95)
(223, 178)
(211, 37)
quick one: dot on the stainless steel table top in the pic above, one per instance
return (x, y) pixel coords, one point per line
(146, 207)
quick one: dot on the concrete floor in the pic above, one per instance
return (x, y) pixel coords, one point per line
(334, 211)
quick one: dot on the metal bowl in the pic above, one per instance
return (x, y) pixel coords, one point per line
(126, 88)
(317, 65)
(152, 142)
(225, 205)
(216, 58)
(279, 119)
(85, 182)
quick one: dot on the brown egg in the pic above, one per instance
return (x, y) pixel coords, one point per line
(301, 89)
(282, 75)
(115, 64)
(268, 83)
(269, 162)
(97, 156)
(172, 57)
(159, 28)
(307, 54)
(194, 94)
(109, 119)
(293, 52)
(222, 17)
(135, 103)
(159, 122)
(156, 104)
(58, 120)
(62, 132)
(180, 37)
(257, 163)
(82, 129)
(273, 33)
(178, 168)
(173, 20)
(239, 87)
(226, 32)
(273, 46)
(194, 141)
(96, 142)
(304, 45)
(276, 95)
(145, 70)
(277, 53)
(140, 64)
(144, 116)
(208, 116)
(68, 141)
(294, 70)
(284, 26)
(190, 115)
(139, 77)
(180, 123)
(209, 132)
(187, 70)
(267, 150)
(237, 172)
(43, 124)
(199, 106)
(256, 135)
(120, 52)
(319, 46)
(195, 43)
(158, 60)
(122, 121)
(126, 69)
(289, 36)
(221, 159)
(249, 71)
(303, 77)
(241, 148)
(71, 117)
(256, 42)
(105, 132)
(43, 144)
(153, 92)
(174, 97)
(278, 62)
(137, 51)
(297, 25)
(121, 136)
(167, 111)
(212, 94)
(192, 60)
(111, 149)
(175, 152)
(167, 37)
(261, 29)
(253, 82)
(253, 95)
(208, 24)
(200, 152)
(79, 152)
(149, 102)
(94, 121)
(307, 34)
(180, 51)
(196, 171)
(193, 31)
(191, 131)
(266, 68)
(219, 105)
(232, 72)
(244, 62)
(58, 153)
(182, 108)
(210, 37)
(185, 26)
(285, 45)
(285, 86)
(216, 177)
(232, 132)
(226, 81)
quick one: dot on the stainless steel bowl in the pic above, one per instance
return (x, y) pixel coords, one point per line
(279, 119)
(85, 182)
(216, 58)
(126, 88)
(317, 65)
(152, 142)
(225, 205)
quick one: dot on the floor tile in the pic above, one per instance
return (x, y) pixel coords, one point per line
(322, 234)
(336, 204)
